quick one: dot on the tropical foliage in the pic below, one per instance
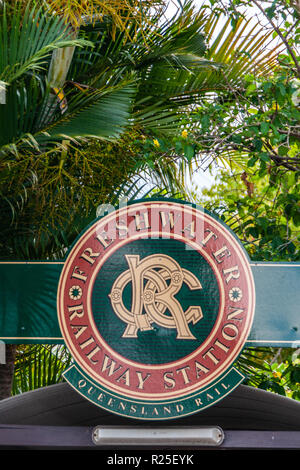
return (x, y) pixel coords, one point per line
(55, 142)
(114, 102)
(272, 369)
(38, 366)
(260, 211)
(263, 211)
(254, 136)
(71, 92)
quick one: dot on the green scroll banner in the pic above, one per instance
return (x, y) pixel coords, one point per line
(28, 312)
(157, 410)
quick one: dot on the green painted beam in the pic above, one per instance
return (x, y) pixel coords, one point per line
(277, 313)
(28, 303)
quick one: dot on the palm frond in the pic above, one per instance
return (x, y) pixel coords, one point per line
(120, 11)
(29, 118)
(28, 39)
(39, 366)
(176, 42)
(101, 114)
(243, 48)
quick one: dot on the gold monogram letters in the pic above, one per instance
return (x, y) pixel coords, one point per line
(150, 300)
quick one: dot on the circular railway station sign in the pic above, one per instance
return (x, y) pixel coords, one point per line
(155, 303)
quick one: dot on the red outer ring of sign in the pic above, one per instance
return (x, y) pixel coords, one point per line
(155, 390)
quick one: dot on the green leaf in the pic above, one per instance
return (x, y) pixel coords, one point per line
(189, 151)
(295, 375)
(258, 143)
(283, 150)
(264, 156)
(205, 122)
(270, 11)
(252, 111)
(282, 89)
(296, 217)
(250, 89)
(252, 161)
(271, 385)
(276, 242)
(296, 395)
(237, 139)
(264, 127)
(178, 146)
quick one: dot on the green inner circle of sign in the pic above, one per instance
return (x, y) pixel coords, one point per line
(159, 345)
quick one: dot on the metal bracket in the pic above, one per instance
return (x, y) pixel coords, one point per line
(151, 436)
